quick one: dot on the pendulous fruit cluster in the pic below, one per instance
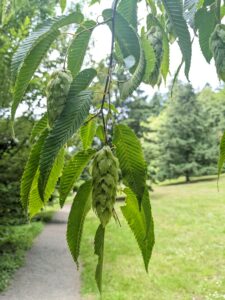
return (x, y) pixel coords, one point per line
(156, 39)
(217, 46)
(105, 178)
(57, 91)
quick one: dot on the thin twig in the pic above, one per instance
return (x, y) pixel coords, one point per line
(93, 117)
(109, 75)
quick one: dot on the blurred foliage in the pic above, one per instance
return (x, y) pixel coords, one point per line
(22, 17)
(14, 241)
(15, 24)
(183, 140)
(13, 154)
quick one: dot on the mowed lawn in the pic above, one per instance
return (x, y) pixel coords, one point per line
(188, 260)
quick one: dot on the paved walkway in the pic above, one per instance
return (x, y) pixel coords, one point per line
(49, 272)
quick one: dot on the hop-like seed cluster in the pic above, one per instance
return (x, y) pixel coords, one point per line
(156, 39)
(217, 46)
(57, 91)
(105, 178)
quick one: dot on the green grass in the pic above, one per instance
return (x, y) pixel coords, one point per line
(188, 261)
(14, 241)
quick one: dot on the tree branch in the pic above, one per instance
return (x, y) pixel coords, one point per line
(109, 75)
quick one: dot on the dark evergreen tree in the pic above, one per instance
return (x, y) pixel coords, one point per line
(139, 108)
(180, 135)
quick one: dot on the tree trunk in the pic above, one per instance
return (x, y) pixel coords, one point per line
(187, 176)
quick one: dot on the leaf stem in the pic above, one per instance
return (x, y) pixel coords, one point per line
(109, 75)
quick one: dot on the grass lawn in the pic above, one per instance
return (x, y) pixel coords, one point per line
(188, 261)
(14, 241)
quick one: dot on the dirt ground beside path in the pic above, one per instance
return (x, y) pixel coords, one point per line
(49, 272)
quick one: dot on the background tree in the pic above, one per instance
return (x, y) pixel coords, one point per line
(16, 23)
(180, 135)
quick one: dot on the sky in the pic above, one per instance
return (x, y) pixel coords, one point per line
(201, 72)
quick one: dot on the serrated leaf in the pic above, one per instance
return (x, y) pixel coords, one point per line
(72, 117)
(128, 9)
(141, 223)
(205, 22)
(87, 133)
(125, 36)
(190, 7)
(149, 57)
(127, 88)
(174, 9)
(39, 127)
(100, 133)
(31, 169)
(35, 201)
(99, 250)
(32, 50)
(165, 65)
(78, 47)
(82, 81)
(72, 171)
(62, 5)
(131, 159)
(80, 208)
(222, 155)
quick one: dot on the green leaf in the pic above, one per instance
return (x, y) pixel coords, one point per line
(141, 223)
(128, 9)
(82, 81)
(87, 132)
(31, 169)
(165, 65)
(149, 57)
(125, 36)
(39, 127)
(152, 5)
(32, 50)
(222, 155)
(80, 208)
(99, 250)
(205, 22)
(6, 12)
(153, 21)
(100, 133)
(35, 201)
(190, 7)
(174, 9)
(131, 159)
(94, 1)
(73, 115)
(62, 4)
(127, 88)
(78, 47)
(72, 171)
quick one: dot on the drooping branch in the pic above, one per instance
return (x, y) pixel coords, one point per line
(109, 75)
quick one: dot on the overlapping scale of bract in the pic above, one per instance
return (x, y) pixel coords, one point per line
(155, 37)
(217, 46)
(105, 178)
(57, 91)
